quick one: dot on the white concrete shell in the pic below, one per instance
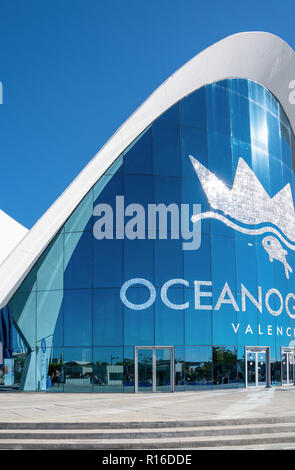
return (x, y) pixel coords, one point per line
(257, 56)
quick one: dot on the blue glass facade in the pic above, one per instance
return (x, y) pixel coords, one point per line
(71, 301)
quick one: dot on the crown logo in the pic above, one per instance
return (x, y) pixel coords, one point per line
(248, 203)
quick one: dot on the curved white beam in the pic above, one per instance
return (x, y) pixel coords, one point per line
(257, 56)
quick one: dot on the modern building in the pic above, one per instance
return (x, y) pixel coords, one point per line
(169, 263)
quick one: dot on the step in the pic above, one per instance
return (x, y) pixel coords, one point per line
(162, 443)
(147, 424)
(115, 434)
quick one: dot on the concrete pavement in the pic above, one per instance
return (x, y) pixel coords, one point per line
(112, 408)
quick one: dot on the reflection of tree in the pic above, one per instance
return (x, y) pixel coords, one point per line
(144, 364)
(128, 370)
(224, 365)
(198, 371)
(18, 368)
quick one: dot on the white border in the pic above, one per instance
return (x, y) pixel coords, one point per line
(257, 56)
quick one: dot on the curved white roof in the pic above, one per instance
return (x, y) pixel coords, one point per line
(257, 56)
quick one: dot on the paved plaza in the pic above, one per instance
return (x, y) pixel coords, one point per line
(197, 405)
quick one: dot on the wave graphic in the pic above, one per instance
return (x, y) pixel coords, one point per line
(248, 231)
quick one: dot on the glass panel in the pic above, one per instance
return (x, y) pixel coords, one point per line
(251, 369)
(81, 219)
(19, 363)
(171, 116)
(291, 368)
(107, 317)
(110, 185)
(106, 254)
(30, 282)
(240, 128)
(138, 159)
(193, 109)
(169, 323)
(276, 372)
(163, 370)
(218, 111)
(139, 259)
(166, 150)
(241, 367)
(168, 260)
(108, 369)
(78, 260)
(261, 368)
(50, 271)
(284, 367)
(56, 370)
(78, 317)
(239, 85)
(23, 308)
(198, 367)
(50, 317)
(128, 369)
(50, 373)
(179, 368)
(193, 142)
(224, 366)
(78, 370)
(139, 328)
(220, 157)
(145, 370)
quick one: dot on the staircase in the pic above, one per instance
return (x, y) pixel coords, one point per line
(248, 433)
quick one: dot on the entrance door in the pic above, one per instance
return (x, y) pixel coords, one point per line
(154, 368)
(287, 366)
(257, 366)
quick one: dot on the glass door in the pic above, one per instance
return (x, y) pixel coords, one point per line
(154, 368)
(257, 366)
(291, 367)
(251, 369)
(163, 370)
(287, 366)
(145, 370)
(261, 369)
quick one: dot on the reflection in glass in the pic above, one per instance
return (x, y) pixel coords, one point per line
(224, 366)
(107, 370)
(179, 368)
(256, 367)
(56, 369)
(198, 367)
(78, 368)
(287, 365)
(145, 370)
(251, 369)
(128, 369)
(163, 370)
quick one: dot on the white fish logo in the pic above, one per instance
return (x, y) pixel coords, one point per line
(275, 251)
(248, 203)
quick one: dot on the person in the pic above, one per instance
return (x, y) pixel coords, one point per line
(55, 378)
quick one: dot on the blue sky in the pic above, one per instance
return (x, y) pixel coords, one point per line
(74, 70)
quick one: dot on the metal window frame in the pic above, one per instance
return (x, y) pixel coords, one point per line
(257, 349)
(287, 350)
